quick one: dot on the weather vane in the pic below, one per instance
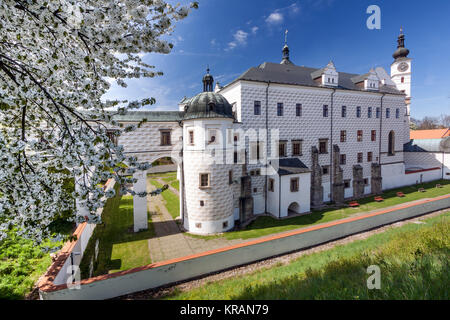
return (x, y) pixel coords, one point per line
(285, 36)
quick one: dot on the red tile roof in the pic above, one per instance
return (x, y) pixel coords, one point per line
(429, 134)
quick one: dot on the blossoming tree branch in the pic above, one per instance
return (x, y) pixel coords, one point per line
(56, 57)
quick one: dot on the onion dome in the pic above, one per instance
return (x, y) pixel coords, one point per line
(401, 51)
(208, 105)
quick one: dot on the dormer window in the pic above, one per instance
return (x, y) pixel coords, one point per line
(327, 76)
(211, 106)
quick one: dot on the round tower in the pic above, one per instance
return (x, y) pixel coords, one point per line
(208, 177)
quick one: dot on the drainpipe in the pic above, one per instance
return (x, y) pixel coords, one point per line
(182, 175)
(267, 144)
(331, 146)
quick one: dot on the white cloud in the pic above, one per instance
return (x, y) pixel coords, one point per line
(241, 37)
(213, 42)
(254, 30)
(275, 18)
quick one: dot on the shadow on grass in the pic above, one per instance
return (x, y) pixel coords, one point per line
(117, 228)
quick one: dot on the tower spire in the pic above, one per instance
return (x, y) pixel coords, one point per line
(401, 51)
(285, 50)
(208, 81)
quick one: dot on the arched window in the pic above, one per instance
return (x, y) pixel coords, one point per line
(391, 145)
(211, 106)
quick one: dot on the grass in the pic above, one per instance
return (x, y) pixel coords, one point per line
(119, 247)
(413, 260)
(175, 184)
(172, 201)
(21, 265)
(265, 225)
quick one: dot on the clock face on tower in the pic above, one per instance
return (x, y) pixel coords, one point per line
(402, 67)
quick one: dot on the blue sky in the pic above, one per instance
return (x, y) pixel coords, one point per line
(232, 36)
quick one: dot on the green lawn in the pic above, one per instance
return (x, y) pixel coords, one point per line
(172, 201)
(175, 184)
(21, 265)
(267, 225)
(414, 263)
(119, 247)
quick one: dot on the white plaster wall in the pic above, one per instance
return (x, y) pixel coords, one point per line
(273, 198)
(302, 196)
(258, 204)
(199, 158)
(394, 176)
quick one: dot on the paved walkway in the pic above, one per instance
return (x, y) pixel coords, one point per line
(170, 242)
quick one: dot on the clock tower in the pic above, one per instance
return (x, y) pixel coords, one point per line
(401, 74)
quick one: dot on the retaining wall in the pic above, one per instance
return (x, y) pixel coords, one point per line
(162, 273)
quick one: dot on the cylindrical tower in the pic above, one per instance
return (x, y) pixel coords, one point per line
(208, 178)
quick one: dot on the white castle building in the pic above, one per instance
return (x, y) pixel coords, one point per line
(279, 139)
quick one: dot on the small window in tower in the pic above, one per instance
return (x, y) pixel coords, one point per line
(255, 190)
(403, 80)
(230, 177)
(211, 106)
(198, 225)
(191, 137)
(366, 181)
(202, 203)
(225, 224)
(325, 170)
(204, 180)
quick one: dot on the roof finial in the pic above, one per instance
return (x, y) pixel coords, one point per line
(285, 37)
(401, 30)
(207, 68)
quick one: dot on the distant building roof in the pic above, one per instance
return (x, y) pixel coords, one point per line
(429, 134)
(304, 76)
(151, 116)
(428, 145)
(288, 166)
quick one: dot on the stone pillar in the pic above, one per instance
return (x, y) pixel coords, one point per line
(316, 180)
(337, 193)
(246, 198)
(140, 203)
(376, 179)
(358, 181)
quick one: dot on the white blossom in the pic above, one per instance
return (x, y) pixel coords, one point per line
(57, 59)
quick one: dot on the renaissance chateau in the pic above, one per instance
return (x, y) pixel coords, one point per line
(282, 139)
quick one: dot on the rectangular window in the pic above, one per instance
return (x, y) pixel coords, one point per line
(235, 157)
(346, 184)
(388, 113)
(230, 177)
(323, 145)
(366, 181)
(257, 108)
(294, 184)
(282, 148)
(343, 135)
(204, 180)
(280, 109)
(358, 112)
(360, 157)
(297, 148)
(271, 184)
(397, 113)
(359, 136)
(369, 112)
(325, 111)
(298, 110)
(378, 112)
(325, 170)
(255, 150)
(191, 137)
(373, 135)
(165, 138)
(344, 111)
(212, 136)
(343, 159)
(369, 156)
